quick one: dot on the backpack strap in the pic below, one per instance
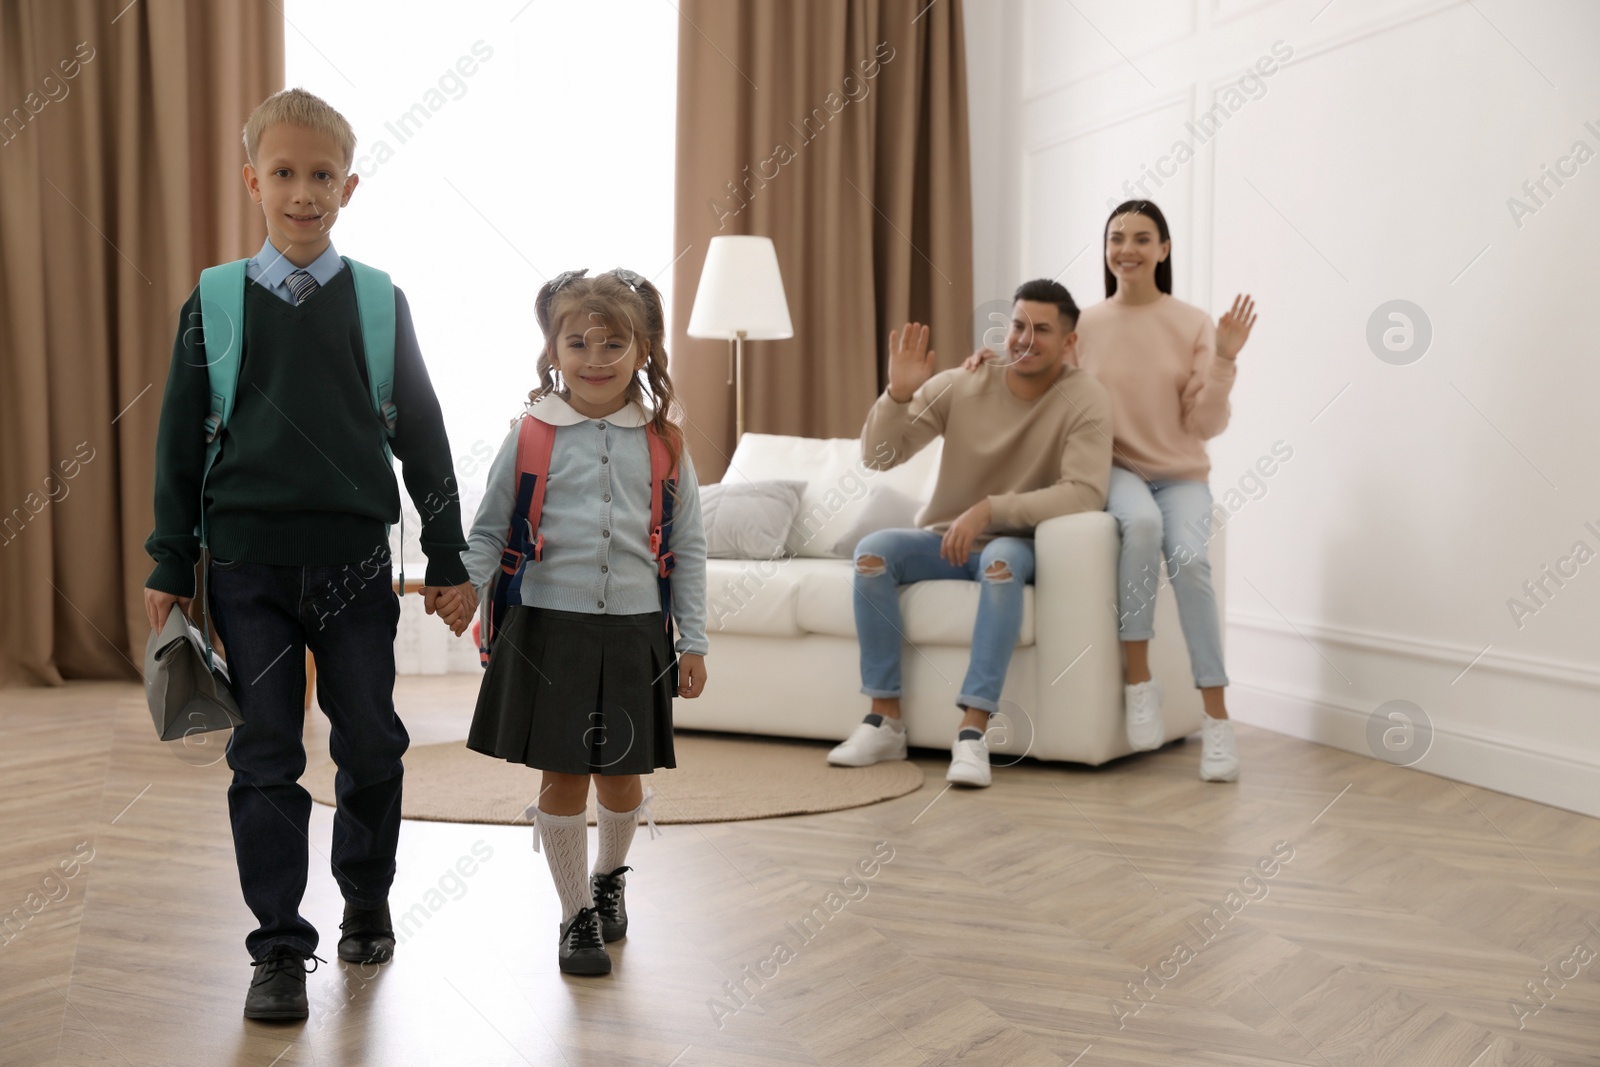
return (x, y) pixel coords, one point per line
(663, 488)
(524, 543)
(375, 307)
(222, 331)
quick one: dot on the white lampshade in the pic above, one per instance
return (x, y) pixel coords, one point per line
(741, 290)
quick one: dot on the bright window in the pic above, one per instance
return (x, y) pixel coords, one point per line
(498, 146)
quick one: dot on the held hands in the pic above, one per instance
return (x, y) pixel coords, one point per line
(1233, 329)
(157, 604)
(911, 361)
(957, 543)
(455, 604)
(691, 674)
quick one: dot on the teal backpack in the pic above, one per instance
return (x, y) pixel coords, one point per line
(222, 301)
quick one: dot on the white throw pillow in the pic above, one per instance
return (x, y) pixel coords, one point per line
(748, 520)
(886, 508)
(836, 482)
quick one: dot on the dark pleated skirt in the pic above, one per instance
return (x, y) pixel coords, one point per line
(576, 693)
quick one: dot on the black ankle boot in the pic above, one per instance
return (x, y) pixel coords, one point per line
(278, 990)
(609, 902)
(368, 935)
(581, 950)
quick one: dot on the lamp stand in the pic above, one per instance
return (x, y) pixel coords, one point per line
(738, 386)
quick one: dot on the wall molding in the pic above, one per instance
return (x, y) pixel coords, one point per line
(1489, 761)
(1516, 664)
(1316, 46)
(1149, 106)
(1033, 91)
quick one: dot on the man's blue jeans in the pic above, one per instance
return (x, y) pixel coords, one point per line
(1003, 567)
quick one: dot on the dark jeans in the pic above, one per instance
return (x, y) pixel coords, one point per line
(267, 616)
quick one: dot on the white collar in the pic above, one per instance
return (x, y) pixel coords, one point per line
(555, 411)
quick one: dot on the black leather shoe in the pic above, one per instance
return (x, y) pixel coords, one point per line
(278, 990)
(368, 935)
(581, 950)
(609, 902)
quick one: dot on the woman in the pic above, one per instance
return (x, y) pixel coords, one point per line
(1169, 373)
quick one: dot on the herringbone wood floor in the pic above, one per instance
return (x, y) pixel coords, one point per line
(1005, 929)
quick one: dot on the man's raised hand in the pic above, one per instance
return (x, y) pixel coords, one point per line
(911, 361)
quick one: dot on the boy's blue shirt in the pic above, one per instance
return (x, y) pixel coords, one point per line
(270, 269)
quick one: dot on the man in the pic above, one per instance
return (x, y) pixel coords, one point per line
(1027, 438)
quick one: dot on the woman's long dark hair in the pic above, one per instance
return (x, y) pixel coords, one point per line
(1153, 213)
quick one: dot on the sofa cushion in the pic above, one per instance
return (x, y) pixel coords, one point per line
(749, 520)
(886, 508)
(934, 613)
(836, 482)
(758, 596)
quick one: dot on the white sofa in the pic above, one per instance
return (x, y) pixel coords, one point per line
(784, 658)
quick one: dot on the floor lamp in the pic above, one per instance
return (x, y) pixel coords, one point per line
(740, 298)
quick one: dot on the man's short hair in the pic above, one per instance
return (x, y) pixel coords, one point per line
(1048, 291)
(299, 108)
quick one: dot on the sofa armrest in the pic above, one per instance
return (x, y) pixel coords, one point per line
(1079, 657)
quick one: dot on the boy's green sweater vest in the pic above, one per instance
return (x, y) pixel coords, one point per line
(302, 478)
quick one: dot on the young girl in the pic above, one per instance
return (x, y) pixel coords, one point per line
(581, 672)
(1169, 373)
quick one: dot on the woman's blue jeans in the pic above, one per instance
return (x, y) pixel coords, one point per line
(913, 556)
(1168, 520)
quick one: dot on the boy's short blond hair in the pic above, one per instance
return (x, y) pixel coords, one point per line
(299, 108)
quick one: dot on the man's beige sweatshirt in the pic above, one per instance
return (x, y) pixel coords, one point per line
(1033, 460)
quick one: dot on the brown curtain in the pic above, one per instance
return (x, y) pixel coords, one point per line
(839, 129)
(119, 180)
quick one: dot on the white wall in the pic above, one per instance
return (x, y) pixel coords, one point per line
(1374, 164)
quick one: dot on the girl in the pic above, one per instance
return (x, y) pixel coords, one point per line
(1169, 374)
(581, 675)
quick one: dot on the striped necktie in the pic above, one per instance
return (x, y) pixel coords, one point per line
(302, 285)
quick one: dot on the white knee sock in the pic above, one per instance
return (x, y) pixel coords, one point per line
(566, 849)
(616, 836)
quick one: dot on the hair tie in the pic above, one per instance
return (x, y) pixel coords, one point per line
(566, 276)
(630, 279)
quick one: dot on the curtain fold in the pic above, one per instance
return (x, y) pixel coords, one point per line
(839, 129)
(120, 180)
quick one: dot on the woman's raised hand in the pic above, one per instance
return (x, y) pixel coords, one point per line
(911, 361)
(1233, 329)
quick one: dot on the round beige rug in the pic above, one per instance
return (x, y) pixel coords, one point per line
(718, 779)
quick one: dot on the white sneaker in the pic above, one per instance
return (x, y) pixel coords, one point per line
(868, 744)
(1219, 753)
(969, 763)
(1142, 705)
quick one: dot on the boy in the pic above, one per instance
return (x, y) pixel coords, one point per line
(296, 510)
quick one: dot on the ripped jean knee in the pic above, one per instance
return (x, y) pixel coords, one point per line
(869, 565)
